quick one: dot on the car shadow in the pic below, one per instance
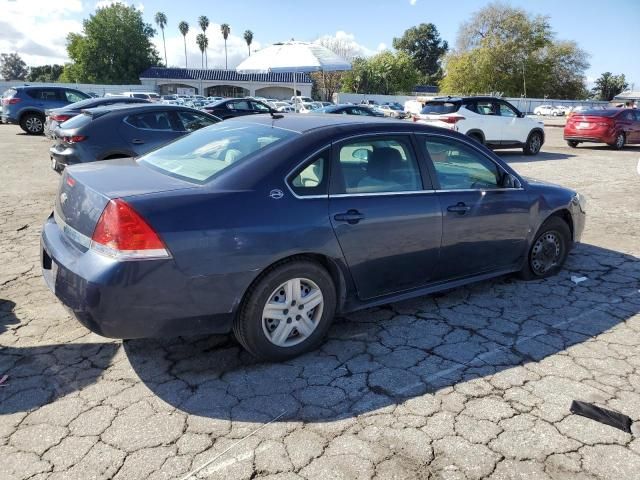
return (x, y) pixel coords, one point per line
(384, 356)
(39, 375)
(517, 156)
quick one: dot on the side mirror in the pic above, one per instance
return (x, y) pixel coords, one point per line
(510, 181)
(521, 115)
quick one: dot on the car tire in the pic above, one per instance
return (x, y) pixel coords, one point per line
(572, 143)
(534, 144)
(32, 123)
(548, 251)
(476, 137)
(272, 338)
(619, 142)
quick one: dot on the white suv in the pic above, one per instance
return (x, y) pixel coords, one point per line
(491, 121)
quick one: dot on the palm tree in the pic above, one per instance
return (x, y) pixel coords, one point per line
(184, 29)
(203, 43)
(248, 37)
(161, 21)
(225, 29)
(203, 21)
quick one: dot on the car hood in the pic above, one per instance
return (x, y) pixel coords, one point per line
(534, 182)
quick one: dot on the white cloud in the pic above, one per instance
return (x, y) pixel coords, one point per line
(348, 40)
(108, 3)
(412, 2)
(236, 47)
(37, 29)
(382, 46)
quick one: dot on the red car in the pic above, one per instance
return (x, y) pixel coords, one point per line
(615, 127)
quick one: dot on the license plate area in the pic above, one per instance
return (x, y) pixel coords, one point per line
(583, 125)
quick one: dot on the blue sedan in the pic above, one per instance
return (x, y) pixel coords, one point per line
(269, 227)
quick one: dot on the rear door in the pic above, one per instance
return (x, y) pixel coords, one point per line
(147, 131)
(239, 108)
(384, 213)
(47, 98)
(484, 224)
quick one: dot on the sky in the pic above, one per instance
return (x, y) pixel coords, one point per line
(37, 29)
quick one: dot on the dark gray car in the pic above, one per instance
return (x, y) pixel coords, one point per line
(121, 131)
(56, 116)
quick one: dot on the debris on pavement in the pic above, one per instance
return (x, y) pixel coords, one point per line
(578, 280)
(4, 379)
(602, 415)
(24, 227)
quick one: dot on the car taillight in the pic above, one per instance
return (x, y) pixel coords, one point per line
(606, 123)
(123, 234)
(451, 119)
(10, 101)
(74, 139)
(60, 118)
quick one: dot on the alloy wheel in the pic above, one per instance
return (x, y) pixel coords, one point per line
(293, 312)
(34, 124)
(535, 143)
(620, 141)
(546, 252)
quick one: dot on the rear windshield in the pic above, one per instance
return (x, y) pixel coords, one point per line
(201, 155)
(140, 95)
(599, 113)
(436, 108)
(77, 121)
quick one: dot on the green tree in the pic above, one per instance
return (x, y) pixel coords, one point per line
(114, 47)
(506, 50)
(203, 43)
(12, 67)
(45, 73)
(425, 47)
(385, 73)
(225, 29)
(203, 21)
(161, 21)
(248, 37)
(609, 85)
(184, 29)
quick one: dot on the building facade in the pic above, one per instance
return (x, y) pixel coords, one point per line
(224, 83)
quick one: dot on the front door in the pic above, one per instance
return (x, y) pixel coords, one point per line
(385, 215)
(485, 225)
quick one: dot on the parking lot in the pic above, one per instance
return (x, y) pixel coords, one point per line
(473, 383)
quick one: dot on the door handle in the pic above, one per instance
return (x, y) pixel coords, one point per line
(137, 141)
(460, 208)
(351, 217)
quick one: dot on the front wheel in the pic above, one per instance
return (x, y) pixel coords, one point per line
(549, 250)
(287, 312)
(534, 143)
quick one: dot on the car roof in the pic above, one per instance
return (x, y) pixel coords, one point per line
(135, 107)
(303, 123)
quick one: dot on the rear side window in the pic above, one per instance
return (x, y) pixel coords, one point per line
(378, 165)
(150, 121)
(437, 108)
(486, 107)
(312, 178)
(45, 94)
(239, 105)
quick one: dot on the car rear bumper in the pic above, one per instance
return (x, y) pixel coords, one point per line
(590, 138)
(135, 299)
(8, 119)
(63, 156)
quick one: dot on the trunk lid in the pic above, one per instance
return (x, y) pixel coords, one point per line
(86, 189)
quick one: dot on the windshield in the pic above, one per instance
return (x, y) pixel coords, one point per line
(205, 153)
(437, 108)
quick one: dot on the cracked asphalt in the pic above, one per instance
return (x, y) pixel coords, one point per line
(473, 383)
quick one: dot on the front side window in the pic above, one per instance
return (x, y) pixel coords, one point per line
(311, 178)
(72, 96)
(192, 121)
(459, 167)
(485, 107)
(43, 94)
(378, 165)
(202, 155)
(239, 105)
(260, 107)
(507, 111)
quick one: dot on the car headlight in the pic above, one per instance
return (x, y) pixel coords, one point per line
(580, 201)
